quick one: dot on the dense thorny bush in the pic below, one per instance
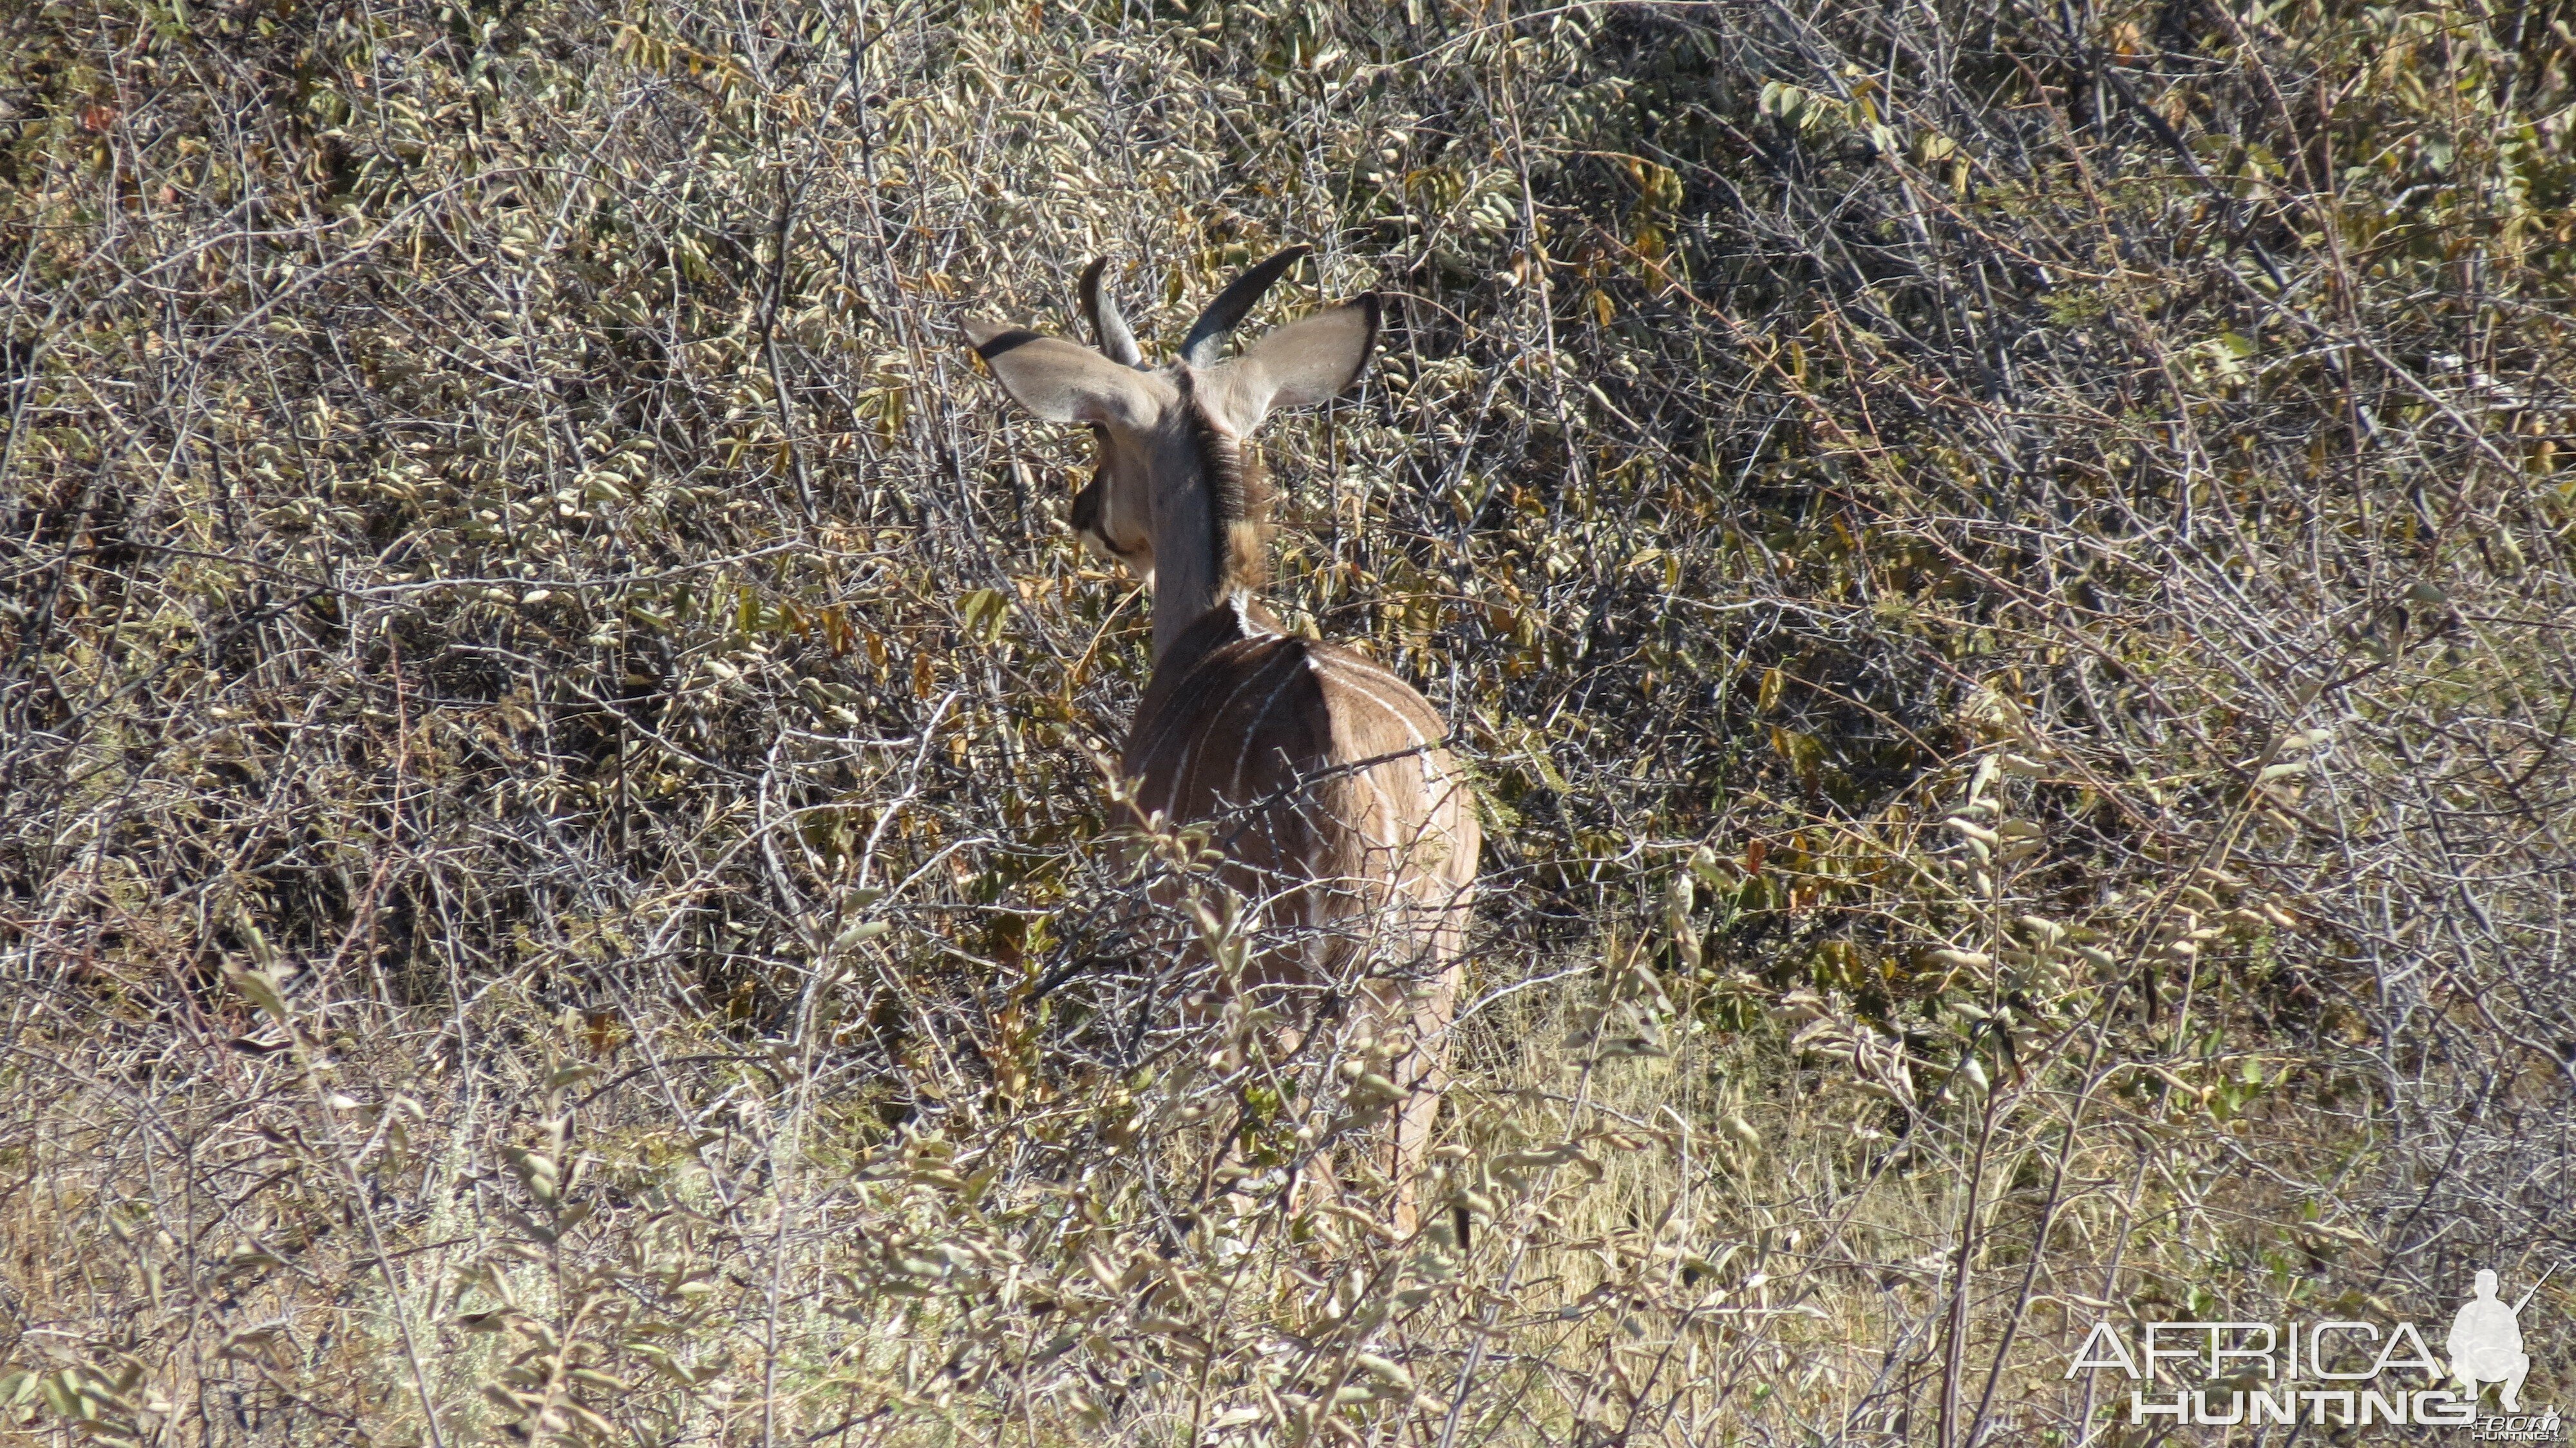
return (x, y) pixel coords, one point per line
(2003, 569)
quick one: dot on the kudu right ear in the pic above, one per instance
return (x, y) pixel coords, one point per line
(1299, 365)
(1063, 382)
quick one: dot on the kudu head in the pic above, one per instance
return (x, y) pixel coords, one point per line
(1175, 498)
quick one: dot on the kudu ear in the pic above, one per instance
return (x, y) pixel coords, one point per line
(1061, 381)
(1298, 365)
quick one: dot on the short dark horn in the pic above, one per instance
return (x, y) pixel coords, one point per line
(1116, 342)
(1232, 305)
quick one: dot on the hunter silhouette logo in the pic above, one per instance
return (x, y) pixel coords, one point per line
(2486, 1344)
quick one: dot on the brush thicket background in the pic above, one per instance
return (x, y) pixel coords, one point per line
(2003, 563)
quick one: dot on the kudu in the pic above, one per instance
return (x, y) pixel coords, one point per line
(1344, 825)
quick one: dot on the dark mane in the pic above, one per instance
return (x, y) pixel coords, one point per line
(1239, 499)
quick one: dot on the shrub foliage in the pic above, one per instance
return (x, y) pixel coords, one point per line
(2003, 568)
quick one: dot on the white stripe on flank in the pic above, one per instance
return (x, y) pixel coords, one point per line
(1151, 752)
(1366, 665)
(1252, 731)
(1430, 773)
(1181, 773)
(1400, 716)
(1243, 621)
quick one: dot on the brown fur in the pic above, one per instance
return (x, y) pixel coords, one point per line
(1342, 820)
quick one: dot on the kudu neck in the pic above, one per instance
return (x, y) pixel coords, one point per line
(1210, 511)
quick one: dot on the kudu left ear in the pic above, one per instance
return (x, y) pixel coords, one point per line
(1298, 365)
(1064, 382)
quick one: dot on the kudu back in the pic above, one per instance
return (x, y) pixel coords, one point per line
(1345, 826)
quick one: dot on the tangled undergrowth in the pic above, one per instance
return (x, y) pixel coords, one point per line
(2003, 568)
